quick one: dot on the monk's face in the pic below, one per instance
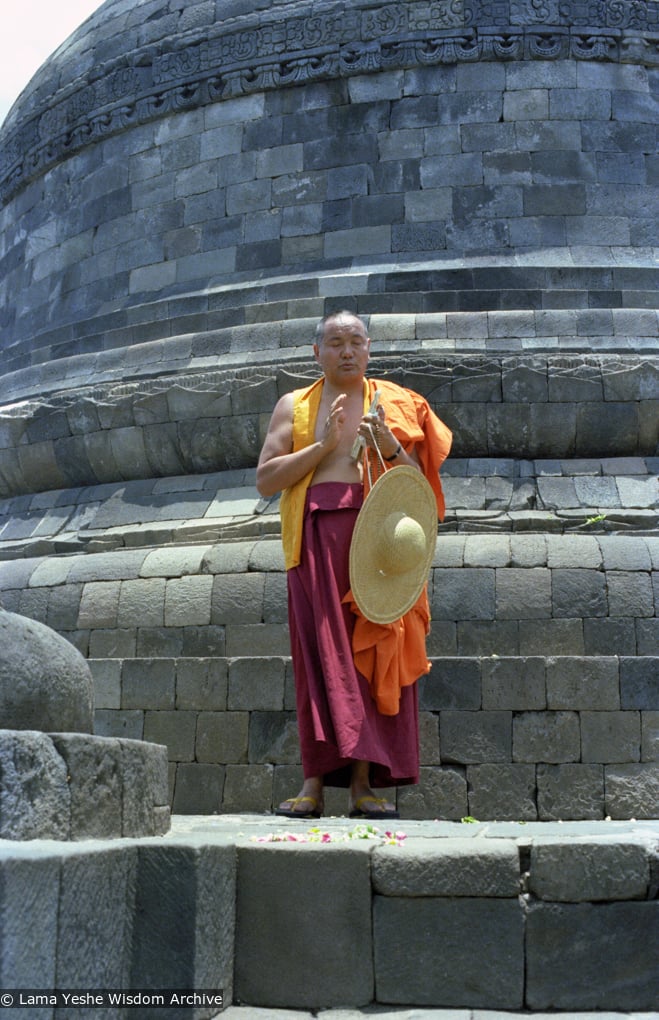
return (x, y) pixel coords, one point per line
(344, 349)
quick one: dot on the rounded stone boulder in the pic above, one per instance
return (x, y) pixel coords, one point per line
(45, 683)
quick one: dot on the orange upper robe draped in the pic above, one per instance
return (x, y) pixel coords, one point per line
(390, 656)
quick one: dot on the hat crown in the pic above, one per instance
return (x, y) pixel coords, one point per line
(403, 544)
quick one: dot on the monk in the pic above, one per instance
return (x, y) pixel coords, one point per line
(356, 694)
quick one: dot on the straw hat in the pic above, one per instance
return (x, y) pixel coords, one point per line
(393, 544)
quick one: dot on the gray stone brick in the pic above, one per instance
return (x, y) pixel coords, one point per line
(283, 159)
(416, 933)
(29, 902)
(64, 607)
(514, 683)
(491, 638)
(570, 791)
(584, 682)
(203, 641)
(632, 791)
(487, 550)
(523, 593)
(527, 550)
(263, 639)
(99, 604)
(273, 737)
(640, 682)
(112, 723)
(222, 737)
(453, 683)
(248, 197)
(175, 729)
(502, 792)
(94, 774)
(610, 736)
(594, 947)
(474, 737)
(247, 788)
(93, 945)
(610, 637)
(551, 737)
(577, 592)
(201, 684)
(107, 682)
(649, 736)
(256, 683)
(275, 599)
(169, 946)
(630, 593)
(37, 792)
(148, 683)
(188, 601)
(461, 869)
(142, 599)
(647, 636)
(237, 598)
(623, 552)
(460, 594)
(159, 642)
(597, 492)
(552, 637)
(198, 789)
(589, 871)
(274, 890)
(347, 182)
(429, 738)
(441, 793)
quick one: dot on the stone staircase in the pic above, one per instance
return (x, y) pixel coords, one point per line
(542, 700)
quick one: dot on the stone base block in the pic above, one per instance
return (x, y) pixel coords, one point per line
(72, 786)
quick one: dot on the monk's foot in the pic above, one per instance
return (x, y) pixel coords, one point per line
(372, 807)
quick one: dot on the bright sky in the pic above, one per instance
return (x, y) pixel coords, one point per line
(31, 31)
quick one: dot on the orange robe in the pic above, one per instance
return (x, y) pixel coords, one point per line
(390, 656)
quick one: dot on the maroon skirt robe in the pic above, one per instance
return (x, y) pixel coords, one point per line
(338, 721)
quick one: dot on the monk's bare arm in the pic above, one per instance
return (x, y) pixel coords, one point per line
(279, 467)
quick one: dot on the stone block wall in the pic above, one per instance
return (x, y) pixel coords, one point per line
(452, 916)
(160, 225)
(543, 698)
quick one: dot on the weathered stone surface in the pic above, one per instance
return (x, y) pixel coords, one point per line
(29, 901)
(97, 893)
(275, 889)
(600, 952)
(35, 799)
(95, 779)
(490, 869)
(441, 793)
(570, 791)
(471, 951)
(589, 870)
(632, 791)
(187, 934)
(45, 684)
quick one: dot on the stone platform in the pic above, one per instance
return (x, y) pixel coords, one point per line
(334, 915)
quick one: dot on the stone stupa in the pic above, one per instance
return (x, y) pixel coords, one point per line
(185, 189)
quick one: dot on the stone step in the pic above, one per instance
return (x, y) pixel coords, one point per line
(482, 494)
(503, 907)
(458, 289)
(503, 594)
(500, 736)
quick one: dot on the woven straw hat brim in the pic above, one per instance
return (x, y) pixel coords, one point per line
(384, 598)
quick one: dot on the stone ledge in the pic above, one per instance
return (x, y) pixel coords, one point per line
(74, 786)
(237, 882)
